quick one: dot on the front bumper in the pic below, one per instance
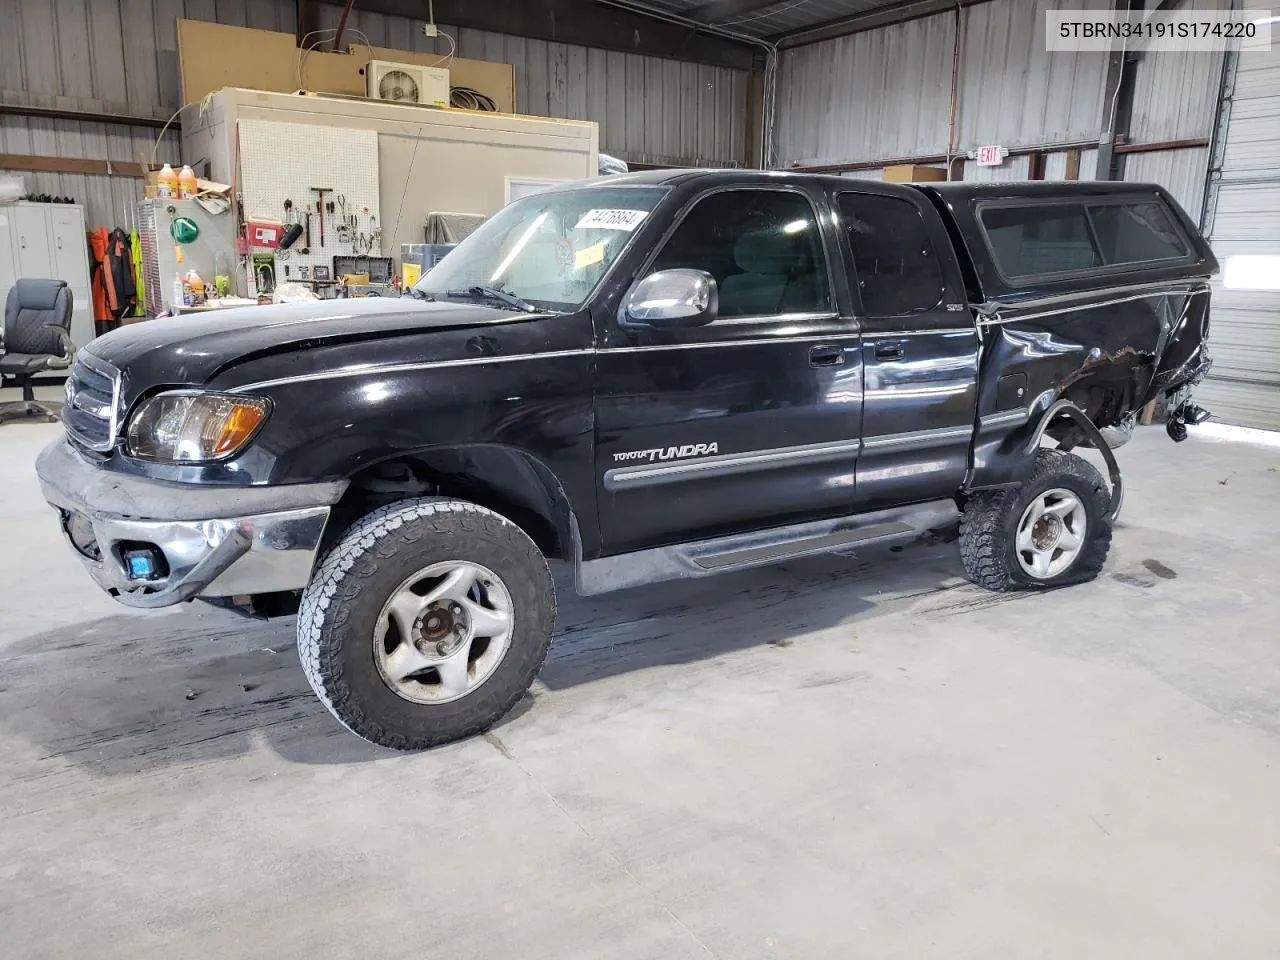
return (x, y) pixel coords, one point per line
(214, 541)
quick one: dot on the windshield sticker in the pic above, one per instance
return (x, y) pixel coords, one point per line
(611, 219)
(585, 258)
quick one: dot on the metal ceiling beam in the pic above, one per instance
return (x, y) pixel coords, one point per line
(582, 22)
(871, 20)
(717, 11)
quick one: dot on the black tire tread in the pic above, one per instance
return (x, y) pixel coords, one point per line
(985, 524)
(352, 560)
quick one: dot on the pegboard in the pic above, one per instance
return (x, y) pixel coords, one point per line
(280, 161)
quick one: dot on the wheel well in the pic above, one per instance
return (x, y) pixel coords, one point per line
(506, 481)
(1107, 396)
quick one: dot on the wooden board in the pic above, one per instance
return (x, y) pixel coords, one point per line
(213, 55)
(39, 164)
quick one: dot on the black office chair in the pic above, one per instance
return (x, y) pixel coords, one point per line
(35, 337)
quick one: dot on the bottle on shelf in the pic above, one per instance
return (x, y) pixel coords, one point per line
(187, 183)
(167, 183)
(193, 289)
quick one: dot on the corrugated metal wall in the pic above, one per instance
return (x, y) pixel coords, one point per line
(877, 95)
(886, 94)
(108, 201)
(120, 57)
(1181, 172)
(1013, 168)
(1014, 92)
(1175, 97)
(649, 110)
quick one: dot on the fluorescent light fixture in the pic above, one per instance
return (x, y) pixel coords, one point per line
(1252, 271)
(795, 226)
(520, 245)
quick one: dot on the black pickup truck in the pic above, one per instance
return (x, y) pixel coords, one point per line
(650, 376)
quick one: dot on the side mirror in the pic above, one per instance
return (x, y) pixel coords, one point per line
(671, 299)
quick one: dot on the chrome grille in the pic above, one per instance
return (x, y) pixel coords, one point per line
(91, 408)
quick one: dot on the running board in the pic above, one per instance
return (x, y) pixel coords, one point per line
(758, 548)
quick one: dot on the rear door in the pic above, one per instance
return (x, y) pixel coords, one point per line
(919, 346)
(751, 420)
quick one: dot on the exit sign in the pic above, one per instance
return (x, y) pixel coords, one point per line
(990, 156)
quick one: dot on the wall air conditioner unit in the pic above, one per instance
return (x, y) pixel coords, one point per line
(406, 83)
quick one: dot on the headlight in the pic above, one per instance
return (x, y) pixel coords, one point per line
(194, 427)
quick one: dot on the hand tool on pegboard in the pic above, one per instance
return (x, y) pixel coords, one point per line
(320, 192)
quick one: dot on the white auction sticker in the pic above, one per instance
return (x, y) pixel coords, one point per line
(611, 219)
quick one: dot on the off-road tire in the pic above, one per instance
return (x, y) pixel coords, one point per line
(342, 603)
(988, 525)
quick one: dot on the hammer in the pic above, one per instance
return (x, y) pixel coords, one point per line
(321, 191)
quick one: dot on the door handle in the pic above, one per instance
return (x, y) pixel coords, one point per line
(890, 351)
(821, 356)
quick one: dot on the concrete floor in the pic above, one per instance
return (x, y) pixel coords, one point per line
(840, 757)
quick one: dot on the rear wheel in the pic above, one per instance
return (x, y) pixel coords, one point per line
(1052, 531)
(426, 622)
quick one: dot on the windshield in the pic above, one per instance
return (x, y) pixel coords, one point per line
(548, 250)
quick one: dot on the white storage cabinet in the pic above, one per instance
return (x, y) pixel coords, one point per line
(48, 241)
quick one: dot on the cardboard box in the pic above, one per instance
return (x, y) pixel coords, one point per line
(913, 173)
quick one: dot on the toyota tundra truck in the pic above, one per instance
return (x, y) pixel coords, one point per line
(650, 376)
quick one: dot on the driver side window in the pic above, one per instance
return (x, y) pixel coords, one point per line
(763, 248)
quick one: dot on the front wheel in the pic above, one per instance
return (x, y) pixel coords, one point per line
(1052, 531)
(426, 622)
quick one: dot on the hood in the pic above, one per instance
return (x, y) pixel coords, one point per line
(192, 348)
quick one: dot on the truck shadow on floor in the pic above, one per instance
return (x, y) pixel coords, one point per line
(130, 693)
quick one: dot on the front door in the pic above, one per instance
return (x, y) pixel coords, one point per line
(751, 420)
(919, 348)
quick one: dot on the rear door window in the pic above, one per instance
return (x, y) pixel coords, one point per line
(1136, 233)
(1041, 238)
(1053, 238)
(895, 263)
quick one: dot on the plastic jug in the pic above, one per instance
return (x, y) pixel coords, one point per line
(187, 188)
(167, 183)
(193, 289)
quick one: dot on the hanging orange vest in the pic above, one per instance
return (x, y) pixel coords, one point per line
(103, 287)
